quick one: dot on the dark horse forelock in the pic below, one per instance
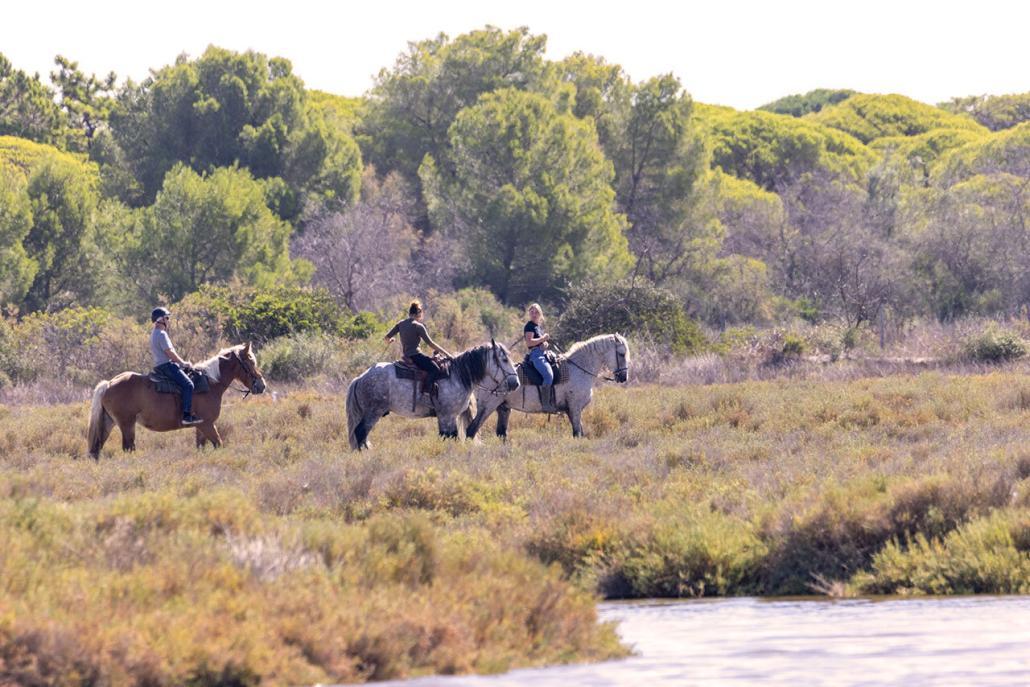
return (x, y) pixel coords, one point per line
(470, 366)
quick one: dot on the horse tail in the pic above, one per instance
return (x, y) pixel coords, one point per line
(98, 418)
(355, 415)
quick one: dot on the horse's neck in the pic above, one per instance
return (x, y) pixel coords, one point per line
(588, 357)
(225, 379)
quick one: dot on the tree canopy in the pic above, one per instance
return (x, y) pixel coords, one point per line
(475, 162)
(530, 193)
(868, 117)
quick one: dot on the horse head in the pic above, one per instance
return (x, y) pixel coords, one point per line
(503, 365)
(619, 363)
(245, 368)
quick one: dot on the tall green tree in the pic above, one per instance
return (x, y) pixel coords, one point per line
(17, 269)
(27, 107)
(86, 100)
(412, 106)
(204, 229)
(228, 108)
(529, 196)
(63, 197)
(660, 169)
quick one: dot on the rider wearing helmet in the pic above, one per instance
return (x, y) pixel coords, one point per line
(168, 362)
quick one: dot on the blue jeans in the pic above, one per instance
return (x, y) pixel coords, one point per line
(536, 356)
(185, 385)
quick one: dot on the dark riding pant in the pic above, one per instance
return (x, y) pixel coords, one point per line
(424, 362)
(175, 373)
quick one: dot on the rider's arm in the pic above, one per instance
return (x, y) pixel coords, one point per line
(536, 340)
(432, 344)
(392, 333)
(174, 357)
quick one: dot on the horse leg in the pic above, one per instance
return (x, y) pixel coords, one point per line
(105, 432)
(448, 426)
(473, 427)
(464, 420)
(128, 428)
(208, 432)
(503, 413)
(575, 413)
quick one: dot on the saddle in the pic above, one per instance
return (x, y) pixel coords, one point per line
(164, 384)
(529, 376)
(406, 369)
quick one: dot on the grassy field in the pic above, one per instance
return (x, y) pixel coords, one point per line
(284, 558)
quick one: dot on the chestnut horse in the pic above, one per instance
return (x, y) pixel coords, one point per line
(131, 397)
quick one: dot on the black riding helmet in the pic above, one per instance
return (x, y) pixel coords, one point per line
(157, 313)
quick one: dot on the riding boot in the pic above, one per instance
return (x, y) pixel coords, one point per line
(547, 401)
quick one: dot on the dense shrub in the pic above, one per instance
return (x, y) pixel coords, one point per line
(986, 556)
(80, 344)
(248, 314)
(994, 346)
(470, 316)
(294, 357)
(634, 307)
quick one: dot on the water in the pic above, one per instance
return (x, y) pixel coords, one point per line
(979, 641)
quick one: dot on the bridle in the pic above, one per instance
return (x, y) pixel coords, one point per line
(252, 377)
(620, 366)
(497, 390)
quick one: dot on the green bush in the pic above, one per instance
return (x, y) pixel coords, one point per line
(985, 556)
(628, 307)
(994, 346)
(249, 314)
(294, 357)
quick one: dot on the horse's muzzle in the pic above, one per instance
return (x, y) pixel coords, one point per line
(621, 376)
(259, 387)
(513, 383)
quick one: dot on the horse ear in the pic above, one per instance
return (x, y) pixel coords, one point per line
(493, 344)
(246, 347)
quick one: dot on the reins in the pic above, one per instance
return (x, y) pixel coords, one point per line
(252, 377)
(496, 391)
(595, 375)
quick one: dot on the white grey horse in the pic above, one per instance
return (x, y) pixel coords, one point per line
(585, 361)
(377, 391)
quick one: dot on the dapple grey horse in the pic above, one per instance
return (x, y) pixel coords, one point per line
(377, 391)
(585, 360)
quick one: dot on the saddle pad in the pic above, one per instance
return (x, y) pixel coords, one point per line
(164, 385)
(406, 372)
(528, 375)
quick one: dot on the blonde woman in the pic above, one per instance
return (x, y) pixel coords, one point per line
(536, 341)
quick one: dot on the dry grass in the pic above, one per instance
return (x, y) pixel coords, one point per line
(285, 557)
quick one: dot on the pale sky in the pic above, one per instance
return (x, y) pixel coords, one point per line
(730, 52)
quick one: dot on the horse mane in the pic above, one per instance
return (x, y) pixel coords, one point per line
(470, 366)
(590, 343)
(212, 367)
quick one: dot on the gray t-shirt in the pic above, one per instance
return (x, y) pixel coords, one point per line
(159, 343)
(412, 333)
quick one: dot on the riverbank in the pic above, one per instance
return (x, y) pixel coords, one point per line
(284, 557)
